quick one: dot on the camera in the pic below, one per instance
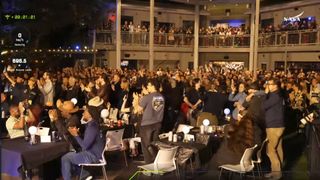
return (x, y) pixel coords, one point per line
(309, 118)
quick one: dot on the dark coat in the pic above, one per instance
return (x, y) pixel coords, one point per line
(273, 105)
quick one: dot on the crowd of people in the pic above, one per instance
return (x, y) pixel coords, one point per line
(290, 26)
(167, 34)
(267, 106)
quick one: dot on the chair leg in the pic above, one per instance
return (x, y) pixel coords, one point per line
(254, 177)
(220, 173)
(105, 177)
(191, 166)
(261, 172)
(81, 173)
(177, 170)
(125, 158)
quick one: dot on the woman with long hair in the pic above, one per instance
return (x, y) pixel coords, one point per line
(238, 137)
(194, 98)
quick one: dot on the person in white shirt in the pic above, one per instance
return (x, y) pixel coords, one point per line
(16, 121)
(47, 89)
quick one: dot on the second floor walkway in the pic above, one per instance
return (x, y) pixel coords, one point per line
(304, 40)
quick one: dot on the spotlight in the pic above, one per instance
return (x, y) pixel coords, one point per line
(74, 101)
(185, 130)
(33, 130)
(226, 111)
(104, 113)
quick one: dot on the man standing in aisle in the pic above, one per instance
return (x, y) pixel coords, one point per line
(273, 106)
(153, 109)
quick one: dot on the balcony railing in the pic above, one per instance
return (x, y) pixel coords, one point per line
(284, 39)
(289, 38)
(142, 39)
(234, 41)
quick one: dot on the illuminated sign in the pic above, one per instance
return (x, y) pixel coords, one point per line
(293, 18)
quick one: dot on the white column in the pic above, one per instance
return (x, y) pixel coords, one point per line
(94, 63)
(196, 38)
(118, 35)
(151, 36)
(285, 61)
(256, 38)
(251, 38)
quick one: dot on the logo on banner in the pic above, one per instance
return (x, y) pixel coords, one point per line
(293, 18)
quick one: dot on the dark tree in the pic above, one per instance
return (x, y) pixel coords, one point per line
(58, 22)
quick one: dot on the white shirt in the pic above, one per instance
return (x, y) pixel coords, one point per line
(47, 91)
(13, 133)
(131, 28)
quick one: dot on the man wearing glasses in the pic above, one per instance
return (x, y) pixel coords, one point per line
(273, 106)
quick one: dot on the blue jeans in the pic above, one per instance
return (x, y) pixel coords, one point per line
(70, 161)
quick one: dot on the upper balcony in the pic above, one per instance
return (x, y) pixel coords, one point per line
(304, 40)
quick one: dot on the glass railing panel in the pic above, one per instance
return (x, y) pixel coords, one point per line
(293, 38)
(309, 37)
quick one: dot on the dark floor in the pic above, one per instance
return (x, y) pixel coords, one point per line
(295, 166)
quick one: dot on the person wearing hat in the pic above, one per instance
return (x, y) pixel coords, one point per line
(96, 102)
(92, 144)
(253, 105)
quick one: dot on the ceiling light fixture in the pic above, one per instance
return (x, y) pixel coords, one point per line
(228, 11)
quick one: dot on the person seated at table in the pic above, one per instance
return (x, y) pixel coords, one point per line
(63, 119)
(16, 121)
(135, 119)
(68, 112)
(92, 145)
(238, 137)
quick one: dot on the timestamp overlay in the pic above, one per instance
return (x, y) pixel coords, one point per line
(7, 18)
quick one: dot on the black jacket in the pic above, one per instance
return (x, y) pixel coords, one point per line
(254, 108)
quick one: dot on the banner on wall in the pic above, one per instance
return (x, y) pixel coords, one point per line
(293, 19)
(230, 65)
